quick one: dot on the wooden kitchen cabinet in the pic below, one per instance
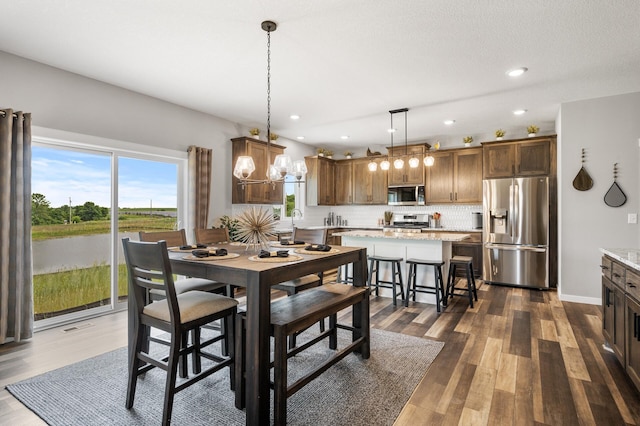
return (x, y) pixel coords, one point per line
(633, 340)
(455, 177)
(621, 314)
(368, 187)
(407, 175)
(260, 193)
(320, 181)
(344, 182)
(529, 157)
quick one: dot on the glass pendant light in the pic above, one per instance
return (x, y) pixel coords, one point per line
(373, 166)
(282, 164)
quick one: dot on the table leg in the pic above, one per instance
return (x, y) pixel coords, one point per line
(360, 316)
(257, 351)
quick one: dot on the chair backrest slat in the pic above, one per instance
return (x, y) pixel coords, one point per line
(173, 238)
(310, 236)
(212, 235)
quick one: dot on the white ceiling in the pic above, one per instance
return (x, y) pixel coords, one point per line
(342, 65)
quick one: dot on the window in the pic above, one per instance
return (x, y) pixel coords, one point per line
(292, 196)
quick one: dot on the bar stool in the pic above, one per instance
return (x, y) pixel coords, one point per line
(465, 262)
(374, 267)
(413, 287)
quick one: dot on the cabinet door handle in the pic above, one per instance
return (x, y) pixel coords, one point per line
(636, 326)
(604, 267)
(513, 169)
(632, 285)
(616, 275)
(455, 196)
(607, 300)
(451, 196)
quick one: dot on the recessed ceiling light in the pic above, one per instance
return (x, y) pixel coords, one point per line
(519, 111)
(294, 117)
(517, 72)
(344, 137)
(300, 138)
(449, 122)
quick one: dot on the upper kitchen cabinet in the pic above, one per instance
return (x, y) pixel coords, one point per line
(320, 181)
(344, 182)
(368, 187)
(455, 177)
(259, 193)
(407, 175)
(529, 157)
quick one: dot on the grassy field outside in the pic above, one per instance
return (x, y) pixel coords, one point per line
(62, 292)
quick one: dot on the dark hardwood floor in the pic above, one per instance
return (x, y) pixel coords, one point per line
(519, 357)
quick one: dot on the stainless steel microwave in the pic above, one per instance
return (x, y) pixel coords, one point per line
(406, 196)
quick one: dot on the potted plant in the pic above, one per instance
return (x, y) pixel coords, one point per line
(328, 154)
(348, 154)
(467, 140)
(499, 134)
(233, 225)
(320, 152)
(274, 137)
(532, 130)
(255, 132)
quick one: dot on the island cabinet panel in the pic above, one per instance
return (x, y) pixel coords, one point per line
(529, 157)
(455, 177)
(261, 193)
(633, 340)
(320, 181)
(344, 182)
(621, 314)
(368, 187)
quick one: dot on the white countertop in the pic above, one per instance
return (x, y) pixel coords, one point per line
(628, 256)
(429, 236)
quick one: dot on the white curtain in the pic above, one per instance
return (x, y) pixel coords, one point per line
(16, 279)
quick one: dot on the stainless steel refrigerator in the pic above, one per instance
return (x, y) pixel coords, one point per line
(516, 231)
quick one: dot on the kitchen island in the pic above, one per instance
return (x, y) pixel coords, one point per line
(420, 245)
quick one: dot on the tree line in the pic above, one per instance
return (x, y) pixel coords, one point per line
(43, 214)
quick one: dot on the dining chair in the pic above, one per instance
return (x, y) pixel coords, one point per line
(178, 315)
(212, 235)
(177, 239)
(309, 236)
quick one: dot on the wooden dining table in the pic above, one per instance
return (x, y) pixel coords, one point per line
(257, 277)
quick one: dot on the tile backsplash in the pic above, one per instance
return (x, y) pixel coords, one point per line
(452, 216)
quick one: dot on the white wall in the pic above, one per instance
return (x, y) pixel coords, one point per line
(609, 129)
(65, 101)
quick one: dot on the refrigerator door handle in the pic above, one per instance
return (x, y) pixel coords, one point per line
(512, 212)
(516, 248)
(516, 213)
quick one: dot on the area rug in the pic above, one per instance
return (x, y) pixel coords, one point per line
(352, 392)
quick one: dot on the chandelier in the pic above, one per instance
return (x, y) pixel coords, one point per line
(282, 164)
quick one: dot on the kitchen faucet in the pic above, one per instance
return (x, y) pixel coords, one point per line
(293, 214)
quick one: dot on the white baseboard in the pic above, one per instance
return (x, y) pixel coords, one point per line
(580, 299)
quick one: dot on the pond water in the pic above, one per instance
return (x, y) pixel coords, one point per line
(75, 252)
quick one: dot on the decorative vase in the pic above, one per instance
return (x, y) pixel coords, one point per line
(498, 138)
(348, 157)
(320, 154)
(467, 144)
(531, 135)
(329, 156)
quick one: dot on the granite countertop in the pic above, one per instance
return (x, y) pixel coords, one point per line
(628, 256)
(429, 236)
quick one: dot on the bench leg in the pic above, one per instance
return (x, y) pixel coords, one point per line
(280, 376)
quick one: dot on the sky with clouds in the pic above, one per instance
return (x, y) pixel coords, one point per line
(61, 174)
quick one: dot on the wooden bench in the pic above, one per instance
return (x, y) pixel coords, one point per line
(293, 314)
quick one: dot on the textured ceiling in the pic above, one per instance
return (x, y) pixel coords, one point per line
(342, 65)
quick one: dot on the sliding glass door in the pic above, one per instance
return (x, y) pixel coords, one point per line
(84, 201)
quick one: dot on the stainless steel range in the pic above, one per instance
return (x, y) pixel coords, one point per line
(408, 222)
